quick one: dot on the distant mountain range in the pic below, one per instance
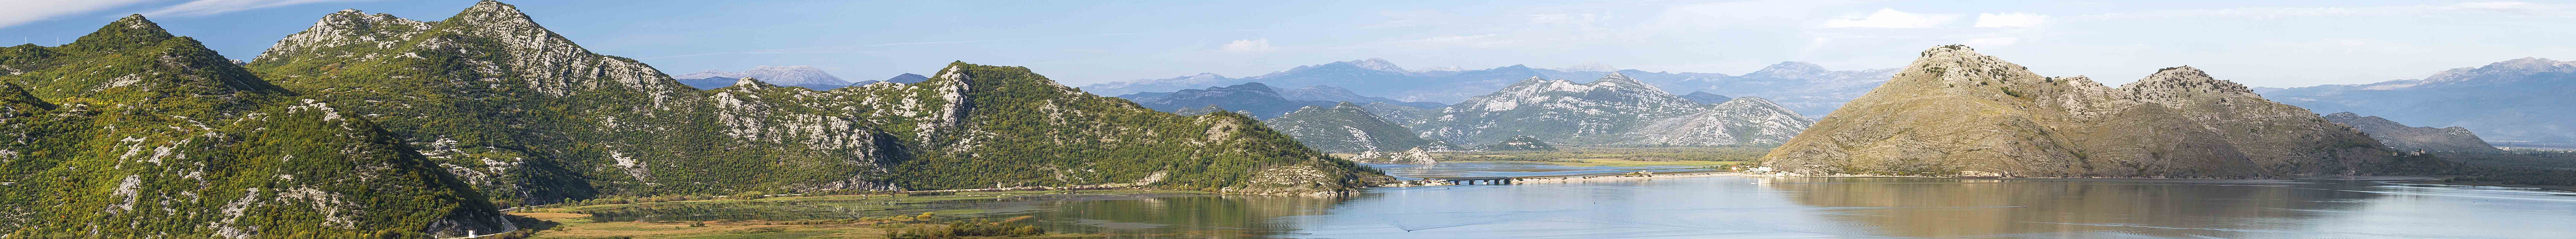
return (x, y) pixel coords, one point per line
(2526, 99)
(2402, 137)
(1259, 100)
(905, 78)
(1704, 97)
(1256, 99)
(1348, 128)
(799, 76)
(1802, 87)
(1615, 110)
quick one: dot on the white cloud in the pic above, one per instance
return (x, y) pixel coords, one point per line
(1890, 18)
(1993, 41)
(1248, 46)
(212, 7)
(24, 11)
(2010, 19)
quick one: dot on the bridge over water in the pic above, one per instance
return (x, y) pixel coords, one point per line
(1480, 180)
(1498, 180)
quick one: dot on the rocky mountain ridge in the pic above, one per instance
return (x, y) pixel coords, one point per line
(1615, 110)
(1256, 99)
(1349, 128)
(131, 132)
(528, 117)
(1954, 112)
(2450, 140)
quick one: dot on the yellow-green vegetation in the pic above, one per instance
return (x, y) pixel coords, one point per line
(1620, 157)
(132, 132)
(527, 117)
(901, 198)
(572, 222)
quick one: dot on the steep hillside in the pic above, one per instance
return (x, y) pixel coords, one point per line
(1259, 100)
(1348, 128)
(131, 132)
(1748, 121)
(2395, 135)
(1954, 112)
(529, 117)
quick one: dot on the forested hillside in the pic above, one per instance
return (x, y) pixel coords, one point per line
(531, 118)
(131, 132)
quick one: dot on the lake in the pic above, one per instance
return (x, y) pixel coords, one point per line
(1764, 207)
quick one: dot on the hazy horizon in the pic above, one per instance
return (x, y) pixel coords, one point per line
(2267, 44)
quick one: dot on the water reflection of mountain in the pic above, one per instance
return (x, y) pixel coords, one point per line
(1195, 216)
(1123, 215)
(1952, 208)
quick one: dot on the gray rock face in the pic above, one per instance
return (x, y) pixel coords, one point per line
(1748, 121)
(2515, 100)
(1616, 110)
(2402, 137)
(1954, 112)
(527, 116)
(1348, 128)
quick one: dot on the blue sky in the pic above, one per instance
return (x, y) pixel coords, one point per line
(2260, 43)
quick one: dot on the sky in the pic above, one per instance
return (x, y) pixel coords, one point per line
(2258, 43)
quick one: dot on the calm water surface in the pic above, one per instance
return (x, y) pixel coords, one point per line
(1753, 207)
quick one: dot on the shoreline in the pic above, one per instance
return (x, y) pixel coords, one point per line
(2434, 180)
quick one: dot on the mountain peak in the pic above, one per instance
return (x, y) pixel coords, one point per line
(752, 83)
(129, 31)
(1250, 86)
(493, 7)
(2503, 69)
(2184, 79)
(2529, 64)
(1375, 64)
(1615, 79)
(489, 11)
